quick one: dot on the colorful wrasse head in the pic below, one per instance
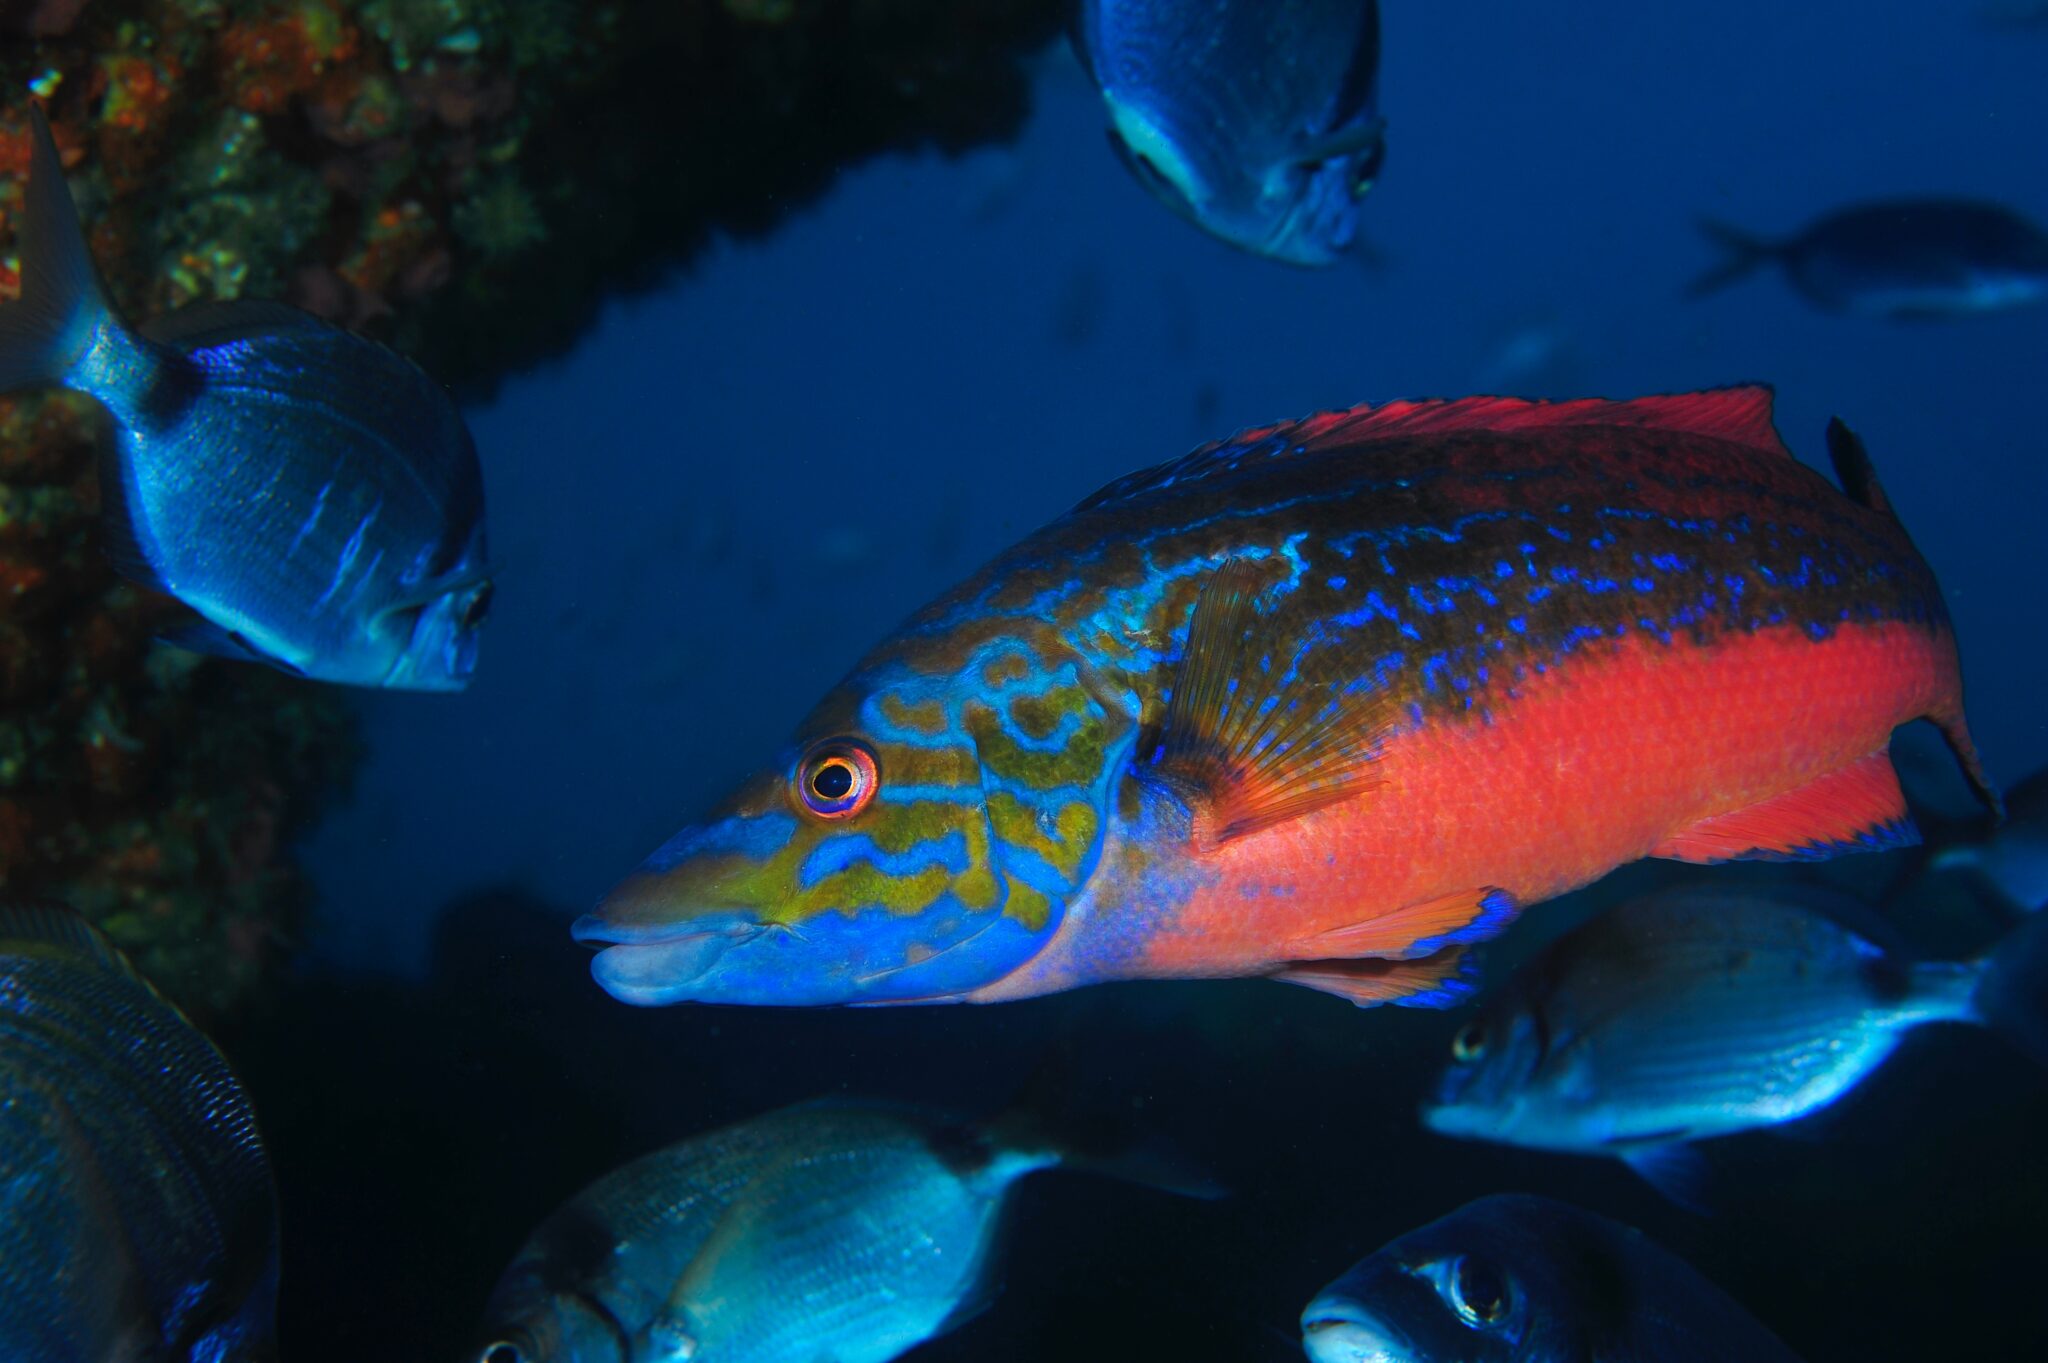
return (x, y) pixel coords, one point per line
(920, 838)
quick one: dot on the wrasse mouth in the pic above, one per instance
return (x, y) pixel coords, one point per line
(655, 964)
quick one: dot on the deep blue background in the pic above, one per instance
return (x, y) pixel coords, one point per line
(735, 485)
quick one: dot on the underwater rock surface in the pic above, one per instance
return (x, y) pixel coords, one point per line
(465, 179)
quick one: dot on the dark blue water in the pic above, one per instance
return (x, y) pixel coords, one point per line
(737, 483)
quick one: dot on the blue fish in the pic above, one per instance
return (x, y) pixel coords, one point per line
(1708, 1010)
(1907, 259)
(1520, 1279)
(137, 1215)
(311, 494)
(1256, 120)
(838, 1230)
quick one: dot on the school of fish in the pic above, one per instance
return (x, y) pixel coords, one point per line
(1332, 701)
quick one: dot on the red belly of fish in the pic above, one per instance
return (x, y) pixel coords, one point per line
(1592, 765)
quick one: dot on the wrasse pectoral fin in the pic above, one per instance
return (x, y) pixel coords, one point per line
(1859, 807)
(1259, 731)
(1417, 930)
(1438, 980)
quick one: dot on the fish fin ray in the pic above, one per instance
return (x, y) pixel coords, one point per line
(1441, 980)
(1244, 742)
(43, 334)
(1418, 930)
(1740, 414)
(1857, 808)
(1677, 1171)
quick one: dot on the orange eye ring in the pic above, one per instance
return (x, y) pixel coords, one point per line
(837, 779)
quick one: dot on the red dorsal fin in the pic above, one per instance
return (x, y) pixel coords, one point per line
(1256, 732)
(1741, 416)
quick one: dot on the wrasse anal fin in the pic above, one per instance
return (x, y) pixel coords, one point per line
(1439, 980)
(1417, 930)
(1859, 807)
(1250, 739)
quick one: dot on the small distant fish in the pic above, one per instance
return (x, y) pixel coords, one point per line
(1907, 259)
(1520, 1279)
(311, 494)
(846, 1231)
(137, 1216)
(1708, 1010)
(2011, 857)
(1257, 120)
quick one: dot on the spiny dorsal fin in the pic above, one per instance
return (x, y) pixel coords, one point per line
(1256, 731)
(1853, 468)
(1740, 415)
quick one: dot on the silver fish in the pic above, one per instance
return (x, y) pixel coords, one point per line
(1708, 1010)
(311, 494)
(841, 1231)
(1518, 1279)
(1256, 120)
(137, 1216)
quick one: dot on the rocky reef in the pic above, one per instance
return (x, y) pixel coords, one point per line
(465, 179)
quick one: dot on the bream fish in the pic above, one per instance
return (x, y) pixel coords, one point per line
(1520, 1279)
(1905, 259)
(1256, 120)
(1327, 702)
(137, 1216)
(1707, 1010)
(841, 1231)
(311, 494)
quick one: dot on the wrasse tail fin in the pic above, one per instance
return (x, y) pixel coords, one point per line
(1417, 930)
(1742, 253)
(1442, 980)
(1254, 735)
(1859, 808)
(1859, 481)
(43, 334)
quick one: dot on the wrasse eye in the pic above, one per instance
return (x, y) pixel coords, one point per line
(1470, 1043)
(503, 1353)
(837, 779)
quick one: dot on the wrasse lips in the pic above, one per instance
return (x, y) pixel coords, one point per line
(655, 965)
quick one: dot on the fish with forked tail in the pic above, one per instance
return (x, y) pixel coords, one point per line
(1707, 1010)
(848, 1231)
(311, 494)
(1907, 259)
(1308, 704)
